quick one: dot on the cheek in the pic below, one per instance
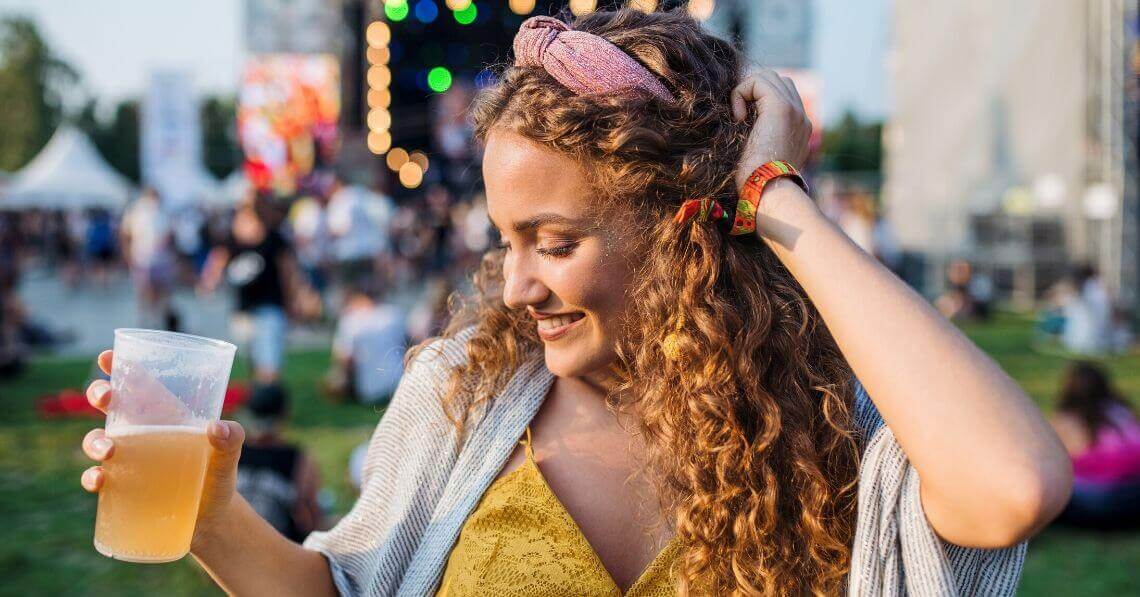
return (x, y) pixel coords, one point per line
(595, 287)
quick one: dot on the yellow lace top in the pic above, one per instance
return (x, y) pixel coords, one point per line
(520, 541)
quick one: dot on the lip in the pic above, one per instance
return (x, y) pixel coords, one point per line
(556, 333)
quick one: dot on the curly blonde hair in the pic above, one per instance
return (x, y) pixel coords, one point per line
(748, 423)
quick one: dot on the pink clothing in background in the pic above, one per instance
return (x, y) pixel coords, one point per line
(1114, 456)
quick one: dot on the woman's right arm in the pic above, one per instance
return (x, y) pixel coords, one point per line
(247, 556)
(240, 550)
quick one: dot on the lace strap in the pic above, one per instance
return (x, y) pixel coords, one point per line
(527, 444)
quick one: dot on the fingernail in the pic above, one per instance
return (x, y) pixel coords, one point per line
(221, 430)
(89, 477)
(101, 445)
(102, 395)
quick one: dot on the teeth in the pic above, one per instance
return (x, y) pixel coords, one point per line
(557, 322)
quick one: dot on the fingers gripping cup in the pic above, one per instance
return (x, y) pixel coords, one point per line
(165, 389)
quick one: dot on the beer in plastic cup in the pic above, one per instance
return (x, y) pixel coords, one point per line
(165, 389)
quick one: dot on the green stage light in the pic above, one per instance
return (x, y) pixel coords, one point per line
(439, 79)
(396, 10)
(467, 15)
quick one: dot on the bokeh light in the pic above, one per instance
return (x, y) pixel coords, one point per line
(379, 142)
(411, 175)
(439, 79)
(458, 4)
(396, 10)
(521, 7)
(581, 7)
(379, 98)
(378, 34)
(377, 55)
(701, 9)
(379, 76)
(420, 158)
(379, 119)
(426, 11)
(397, 157)
(467, 15)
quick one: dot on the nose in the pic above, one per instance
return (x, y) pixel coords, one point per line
(521, 287)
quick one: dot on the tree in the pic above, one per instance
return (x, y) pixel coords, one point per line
(853, 146)
(33, 82)
(122, 148)
(219, 136)
(117, 139)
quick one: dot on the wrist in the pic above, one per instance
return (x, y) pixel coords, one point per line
(210, 533)
(785, 212)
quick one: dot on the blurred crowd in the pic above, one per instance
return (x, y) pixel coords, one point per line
(1079, 314)
(376, 268)
(345, 256)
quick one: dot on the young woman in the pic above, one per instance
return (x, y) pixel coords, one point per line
(1102, 434)
(652, 389)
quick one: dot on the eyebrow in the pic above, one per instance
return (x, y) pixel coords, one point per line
(543, 219)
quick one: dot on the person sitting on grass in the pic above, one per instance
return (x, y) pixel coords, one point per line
(1102, 434)
(276, 477)
(367, 348)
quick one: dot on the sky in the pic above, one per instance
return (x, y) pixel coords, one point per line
(115, 44)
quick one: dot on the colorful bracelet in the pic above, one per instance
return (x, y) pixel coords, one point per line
(749, 202)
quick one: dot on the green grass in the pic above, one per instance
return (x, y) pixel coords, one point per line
(48, 520)
(45, 541)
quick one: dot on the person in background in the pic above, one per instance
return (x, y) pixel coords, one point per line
(259, 263)
(100, 241)
(276, 477)
(74, 246)
(1122, 337)
(428, 316)
(967, 297)
(1102, 434)
(188, 243)
(13, 351)
(1087, 309)
(858, 220)
(358, 221)
(146, 241)
(368, 348)
(887, 249)
(309, 224)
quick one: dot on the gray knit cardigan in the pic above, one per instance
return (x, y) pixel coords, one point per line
(420, 484)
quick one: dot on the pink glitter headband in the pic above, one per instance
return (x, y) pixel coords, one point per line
(583, 62)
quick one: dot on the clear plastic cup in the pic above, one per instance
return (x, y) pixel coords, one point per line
(165, 389)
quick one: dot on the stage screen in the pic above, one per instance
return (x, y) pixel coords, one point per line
(288, 108)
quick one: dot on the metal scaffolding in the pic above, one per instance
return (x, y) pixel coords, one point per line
(1113, 235)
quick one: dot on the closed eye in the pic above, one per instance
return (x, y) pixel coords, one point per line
(562, 250)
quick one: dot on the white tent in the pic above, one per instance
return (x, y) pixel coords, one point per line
(68, 173)
(191, 185)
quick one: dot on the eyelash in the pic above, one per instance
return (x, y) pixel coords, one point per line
(555, 252)
(559, 251)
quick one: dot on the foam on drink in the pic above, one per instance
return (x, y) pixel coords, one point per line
(149, 501)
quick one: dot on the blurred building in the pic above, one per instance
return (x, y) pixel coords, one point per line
(1012, 139)
(774, 33)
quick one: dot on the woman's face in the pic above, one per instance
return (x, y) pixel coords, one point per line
(566, 270)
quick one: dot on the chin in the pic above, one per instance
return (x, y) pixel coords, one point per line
(575, 361)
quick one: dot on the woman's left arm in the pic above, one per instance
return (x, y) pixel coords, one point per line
(992, 470)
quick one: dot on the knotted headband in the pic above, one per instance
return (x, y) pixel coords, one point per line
(581, 61)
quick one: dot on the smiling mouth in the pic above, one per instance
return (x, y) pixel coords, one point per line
(552, 328)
